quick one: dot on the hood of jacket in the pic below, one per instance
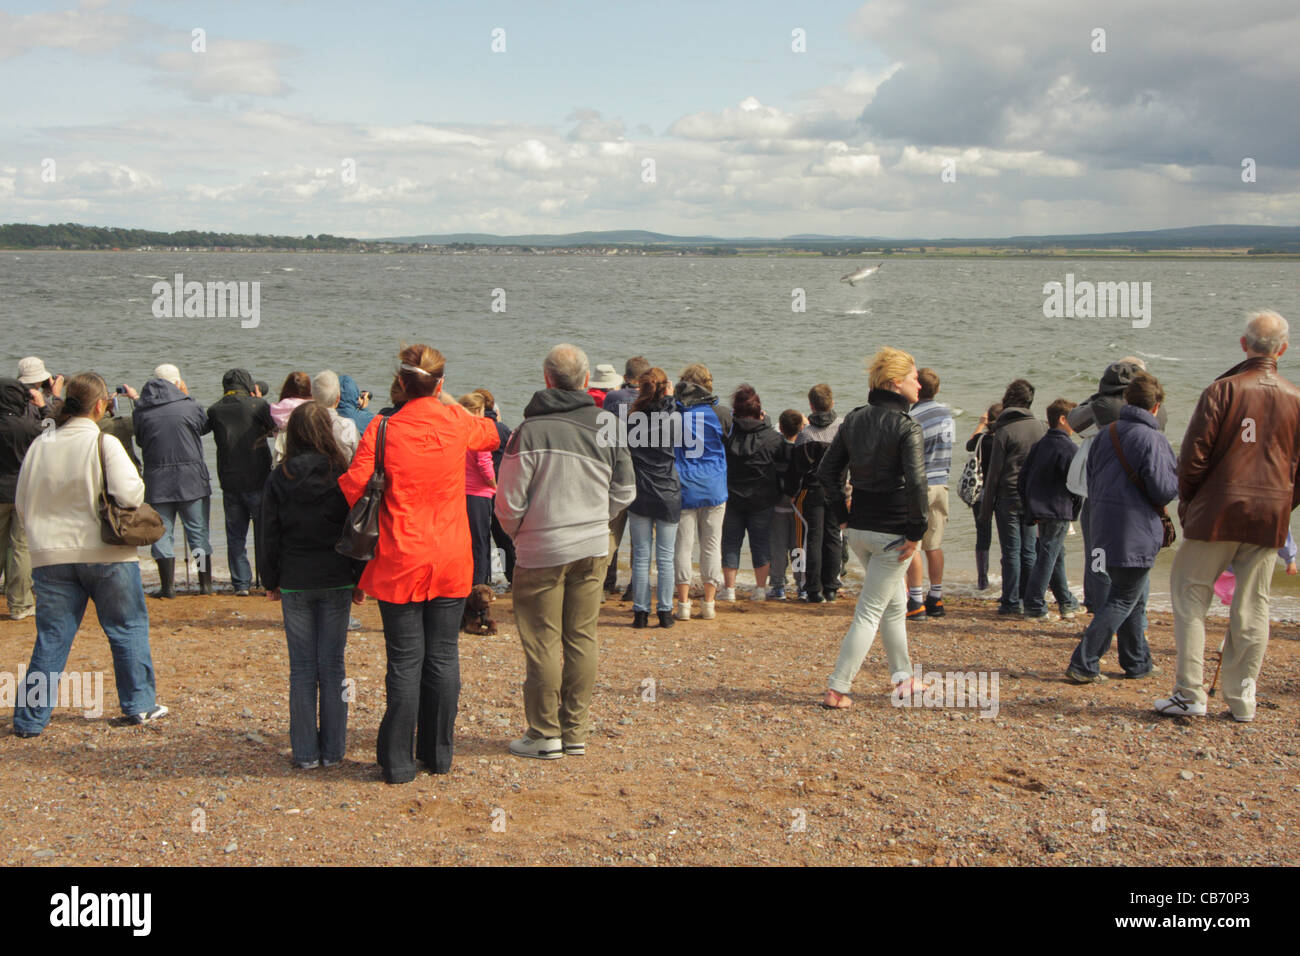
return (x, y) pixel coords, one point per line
(157, 392)
(281, 410)
(751, 424)
(1012, 415)
(348, 392)
(821, 419)
(688, 395)
(237, 380)
(307, 477)
(1116, 378)
(13, 397)
(551, 401)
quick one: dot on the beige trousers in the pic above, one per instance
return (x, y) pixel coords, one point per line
(1197, 565)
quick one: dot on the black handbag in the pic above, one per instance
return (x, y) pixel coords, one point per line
(118, 525)
(1166, 522)
(361, 530)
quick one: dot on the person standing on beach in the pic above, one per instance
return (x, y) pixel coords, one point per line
(559, 486)
(295, 390)
(657, 507)
(1050, 505)
(480, 491)
(1238, 482)
(169, 426)
(753, 489)
(325, 392)
(787, 524)
(302, 519)
(883, 450)
(422, 570)
(633, 369)
(240, 424)
(1132, 475)
(18, 430)
(34, 376)
(353, 404)
(702, 471)
(57, 499)
(1014, 434)
(937, 427)
(499, 536)
(979, 443)
(822, 544)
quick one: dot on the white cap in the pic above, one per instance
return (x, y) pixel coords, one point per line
(31, 371)
(168, 373)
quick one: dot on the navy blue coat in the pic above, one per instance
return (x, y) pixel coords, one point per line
(169, 426)
(1042, 479)
(1121, 521)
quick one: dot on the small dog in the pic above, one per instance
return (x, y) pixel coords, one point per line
(477, 618)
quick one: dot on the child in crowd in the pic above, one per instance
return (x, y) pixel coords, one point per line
(1052, 507)
(480, 490)
(786, 524)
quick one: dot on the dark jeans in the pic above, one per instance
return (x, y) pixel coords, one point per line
(1049, 569)
(62, 591)
(316, 628)
(479, 509)
(1124, 615)
(1095, 583)
(502, 541)
(739, 519)
(983, 531)
(1018, 541)
(241, 507)
(823, 548)
(423, 685)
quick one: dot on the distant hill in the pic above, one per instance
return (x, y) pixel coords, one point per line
(71, 235)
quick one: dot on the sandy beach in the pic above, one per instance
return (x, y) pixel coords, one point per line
(709, 748)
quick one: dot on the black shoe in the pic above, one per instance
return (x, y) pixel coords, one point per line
(26, 734)
(640, 618)
(665, 618)
(627, 595)
(205, 579)
(915, 610)
(1016, 611)
(934, 607)
(166, 578)
(815, 597)
(830, 595)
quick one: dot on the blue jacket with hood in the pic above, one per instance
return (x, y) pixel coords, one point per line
(1122, 521)
(169, 426)
(703, 477)
(348, 408)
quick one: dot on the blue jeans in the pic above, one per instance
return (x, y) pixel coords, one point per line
(1124, 616)
(423, 685)
(194, 516)
(665, 542)
(1049, 569)
(1017, 539)
(61, 594)
(316, 628)
(1095, 583)
(737, 520)
(241, 507)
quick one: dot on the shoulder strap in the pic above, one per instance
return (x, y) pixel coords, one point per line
(103, 471)
(379, 446)
(1133, 476)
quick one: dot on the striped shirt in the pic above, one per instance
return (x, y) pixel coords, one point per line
(937, 428)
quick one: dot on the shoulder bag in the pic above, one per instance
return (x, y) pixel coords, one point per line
(361, 530)
(1166, 523)
(118, 525)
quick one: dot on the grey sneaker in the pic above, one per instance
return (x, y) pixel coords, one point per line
(575, 750)
(354, 624)
(1079, 677)
(21, 613)
(543, 748)
(149, 716)
(726, 594)
(308, 764)
(707, 611)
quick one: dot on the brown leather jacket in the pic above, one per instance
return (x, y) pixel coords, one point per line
(1239, 467)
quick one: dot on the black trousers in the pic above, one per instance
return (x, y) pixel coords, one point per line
(824, 546)
(423, 686)
(502, 541)
(480, 534)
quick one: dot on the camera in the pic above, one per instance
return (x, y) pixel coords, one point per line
(121, 390)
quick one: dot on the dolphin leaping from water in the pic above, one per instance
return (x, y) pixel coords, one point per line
(853, 277)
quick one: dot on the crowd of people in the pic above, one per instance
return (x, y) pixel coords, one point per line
(556, 496)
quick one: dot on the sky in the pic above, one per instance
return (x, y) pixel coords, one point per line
(902, 118)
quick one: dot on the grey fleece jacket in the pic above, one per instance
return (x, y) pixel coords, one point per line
(560, 483)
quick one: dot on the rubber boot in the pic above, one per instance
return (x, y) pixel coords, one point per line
(166, 578)
(205, 578)
(982, 568)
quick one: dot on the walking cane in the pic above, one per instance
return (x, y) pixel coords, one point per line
(1214, 683)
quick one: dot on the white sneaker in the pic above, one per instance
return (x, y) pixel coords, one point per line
(759, 594)
(544, 748)
(1176, 705)
(149, 716)
(706, 611)
(682, 610)
(22, 613)
(726, 594)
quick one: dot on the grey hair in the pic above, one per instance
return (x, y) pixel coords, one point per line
(1266, 332)
(566, 367)
(325, 388)
(1133, 360)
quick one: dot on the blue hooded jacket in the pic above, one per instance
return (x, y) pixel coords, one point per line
(704, 426)
(348, 408)
(1123, 522)
(169, 426)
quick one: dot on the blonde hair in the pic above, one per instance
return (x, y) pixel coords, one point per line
(887, 365)
(473, 402)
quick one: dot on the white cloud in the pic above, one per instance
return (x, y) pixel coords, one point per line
(228, 67)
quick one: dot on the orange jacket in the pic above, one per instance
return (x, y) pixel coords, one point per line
(424, 543)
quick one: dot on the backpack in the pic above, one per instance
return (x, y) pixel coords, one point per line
(971, 485)
(1076, 479)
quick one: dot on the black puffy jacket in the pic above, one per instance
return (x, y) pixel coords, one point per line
(884, 452)
(753, 469)
(302, 519)
(18, 429)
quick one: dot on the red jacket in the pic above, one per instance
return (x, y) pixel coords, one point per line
(424, 542)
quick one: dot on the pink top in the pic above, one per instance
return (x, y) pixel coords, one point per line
(479, 474)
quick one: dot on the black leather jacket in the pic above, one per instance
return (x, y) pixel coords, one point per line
(884, 452)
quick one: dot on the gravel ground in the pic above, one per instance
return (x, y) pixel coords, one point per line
(709, 748)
